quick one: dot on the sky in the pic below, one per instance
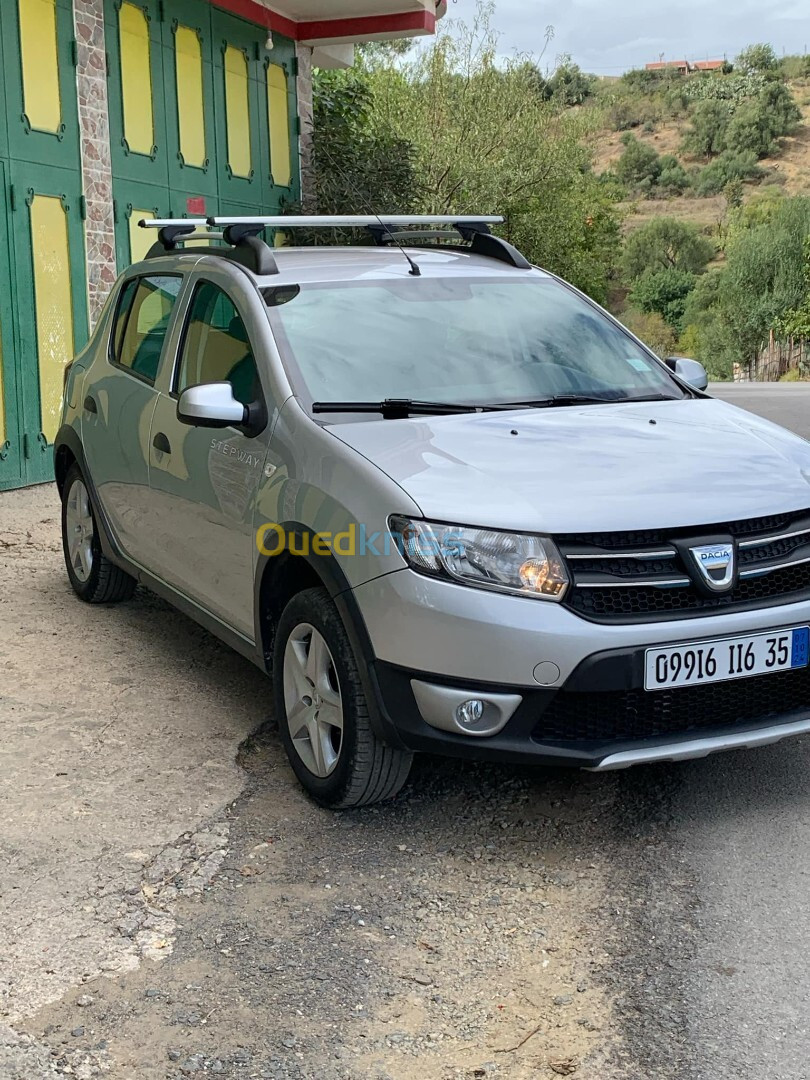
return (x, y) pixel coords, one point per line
(606, 37)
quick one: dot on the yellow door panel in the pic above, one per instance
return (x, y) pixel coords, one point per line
(136, 79)
(140, 240)
(237, 111)
(40, 64)
(190, 113)
(54, 304)
(279, 125)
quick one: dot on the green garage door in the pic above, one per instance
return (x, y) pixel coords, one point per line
(43, 309)
(203, 118)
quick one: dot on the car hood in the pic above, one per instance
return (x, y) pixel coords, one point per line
(591, 468)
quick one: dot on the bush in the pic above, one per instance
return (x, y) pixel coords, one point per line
(663, 292)
(352, 154)
(729, 168)
(707, 135)
(756, 125)
(665, 244)
(652, 329)
(673, 179)
(795, 67)
(569, 85)
(762, 284)
(626, 112)
(639, 166)
(757, 59)
(643, 81)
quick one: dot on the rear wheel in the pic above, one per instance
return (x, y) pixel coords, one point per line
(323, 713)
(93, 577)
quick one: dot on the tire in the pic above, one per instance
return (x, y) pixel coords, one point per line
(316, 681)
(94, 578)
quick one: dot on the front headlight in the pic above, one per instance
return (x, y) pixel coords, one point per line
(506, 562)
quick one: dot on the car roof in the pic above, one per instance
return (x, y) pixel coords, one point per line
(299, 265)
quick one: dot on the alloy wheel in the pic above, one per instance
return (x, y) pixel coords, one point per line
(80, 531)
(312, 700)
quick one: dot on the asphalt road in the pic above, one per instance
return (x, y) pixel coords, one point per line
(787, 404)
(718, 865)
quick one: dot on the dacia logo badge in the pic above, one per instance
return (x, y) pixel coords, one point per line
(716, 565)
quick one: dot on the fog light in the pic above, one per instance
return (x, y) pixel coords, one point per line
(470, 712)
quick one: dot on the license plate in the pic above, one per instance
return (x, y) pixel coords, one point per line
(696, 662)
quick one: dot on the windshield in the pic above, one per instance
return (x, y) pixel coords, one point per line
(476, 341)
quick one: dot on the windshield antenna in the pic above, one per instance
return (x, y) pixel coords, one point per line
(387, 229)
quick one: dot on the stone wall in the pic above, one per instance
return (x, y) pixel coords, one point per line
(304, 92)
(94, 130)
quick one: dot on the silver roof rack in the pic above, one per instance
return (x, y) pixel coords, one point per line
(159, 223)
(243, 234)
(359, 221)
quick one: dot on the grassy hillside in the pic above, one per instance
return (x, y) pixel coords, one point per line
(711, 178)
(789, 168)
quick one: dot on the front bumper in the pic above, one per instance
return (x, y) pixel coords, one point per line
(596, 714)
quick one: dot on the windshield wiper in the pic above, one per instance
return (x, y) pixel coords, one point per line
(399, 408)
(584, 399)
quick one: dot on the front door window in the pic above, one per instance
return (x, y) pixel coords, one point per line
(216, 346)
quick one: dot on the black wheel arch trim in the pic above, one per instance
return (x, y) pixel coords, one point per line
(68, 439)
(328, 570)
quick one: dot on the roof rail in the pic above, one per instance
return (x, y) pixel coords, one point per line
(245, 244)
(386, 228)
(359, 221)
(246, 247)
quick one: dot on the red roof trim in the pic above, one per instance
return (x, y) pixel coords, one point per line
(351, 29)
(365, 26)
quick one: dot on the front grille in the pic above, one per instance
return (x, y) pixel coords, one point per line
(643, 714)
(640, 576)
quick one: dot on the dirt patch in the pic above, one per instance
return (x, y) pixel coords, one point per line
(448, 934)
(171, 906)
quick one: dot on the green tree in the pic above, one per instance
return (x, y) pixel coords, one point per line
(674, 179)
(733, 193)
(707, 135)
(665, 244)
(358, 163)
(758, 123)
(569, 85)
(731, 167)
(639, 166)
(757, 59)
(795, 322)
(664, 292)
(485, 142)
(762, 283)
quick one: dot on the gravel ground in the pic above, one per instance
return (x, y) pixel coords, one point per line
(171, 904)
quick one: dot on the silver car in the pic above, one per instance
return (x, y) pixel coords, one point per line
(444, 499)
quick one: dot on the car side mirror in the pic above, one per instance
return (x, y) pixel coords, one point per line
(691, 371)
(211, 405)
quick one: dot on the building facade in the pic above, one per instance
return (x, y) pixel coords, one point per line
(116, 110)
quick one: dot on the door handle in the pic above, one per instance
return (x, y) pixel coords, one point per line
(90, 404)
(160, 442)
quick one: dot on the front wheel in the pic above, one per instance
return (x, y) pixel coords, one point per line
(93, 577)
(322, 710)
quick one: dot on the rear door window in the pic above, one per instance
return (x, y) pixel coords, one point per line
(141, 323)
